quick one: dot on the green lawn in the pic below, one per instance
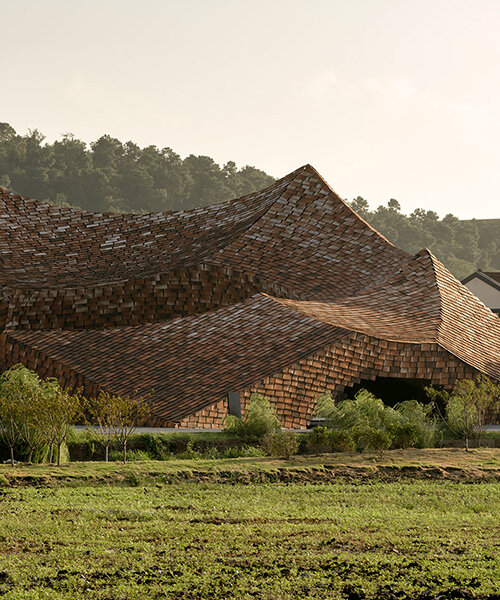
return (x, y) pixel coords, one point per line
(141, 538)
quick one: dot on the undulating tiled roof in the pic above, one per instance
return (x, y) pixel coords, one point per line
(191, 305)
(65, 268)
(422, 303)
(192, 362)
(46, 245)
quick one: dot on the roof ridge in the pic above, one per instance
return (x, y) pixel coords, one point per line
(425, 252)
(9, 193)
(286, 180)
(346, 204)
(441, 273)
(372, 311)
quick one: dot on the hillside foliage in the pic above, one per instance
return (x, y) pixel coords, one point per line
(463, 246)
(109, 175)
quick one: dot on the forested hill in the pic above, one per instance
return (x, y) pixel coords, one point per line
(463, 246)
(110, 175)
(114, 176)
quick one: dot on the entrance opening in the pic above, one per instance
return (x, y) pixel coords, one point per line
(392, 389)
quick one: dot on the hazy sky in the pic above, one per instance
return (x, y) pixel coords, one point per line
(386, 98)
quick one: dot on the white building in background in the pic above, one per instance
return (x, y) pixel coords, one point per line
(486, 286)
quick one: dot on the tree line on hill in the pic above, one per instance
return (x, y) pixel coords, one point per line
(109, 175)
(462, 245)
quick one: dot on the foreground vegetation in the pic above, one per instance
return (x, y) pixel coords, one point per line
(36, 417)
(417, 540)
(110, 175)
(430, 463)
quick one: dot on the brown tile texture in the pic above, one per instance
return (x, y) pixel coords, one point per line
(358, 357)
(286, 292)
(187, 364)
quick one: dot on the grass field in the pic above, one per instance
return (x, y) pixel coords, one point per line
(446, 463)
(139, 537)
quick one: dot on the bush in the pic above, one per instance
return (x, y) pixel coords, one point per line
(132, 455)
(156, 446)
(468, 406)
(419, 416)
(404, 435)
(83, 446)
(368, 424)
(370, 438)
(190, 452)
(259, 418)
(212, 453)
(282, 444)
(244, 452)
(364, 410)
(319, 440)
(342, 441)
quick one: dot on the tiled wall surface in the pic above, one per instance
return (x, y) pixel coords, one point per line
(179, 293)
(295, 390)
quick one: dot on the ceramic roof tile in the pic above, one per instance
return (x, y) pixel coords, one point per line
(194, 304)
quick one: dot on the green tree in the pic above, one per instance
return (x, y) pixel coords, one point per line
(20, 393)
(468, 406)
(101, 416)
(462, 246)
(26, 387)
(129, 413)
(10, 422)
(61, 410)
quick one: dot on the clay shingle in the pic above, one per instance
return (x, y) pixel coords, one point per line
(286, 292)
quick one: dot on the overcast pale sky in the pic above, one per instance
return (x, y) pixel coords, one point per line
(386, 98)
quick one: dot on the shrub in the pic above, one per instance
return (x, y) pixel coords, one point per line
(372, 425)
(215, 453)
(132, 455)
(190, 452)
(370, 438)
(364, 410)
(417, 426)
(468, 406)
(319, 440)
(280, 444)
(259, 418)
(156, 446)
(244, 452)
(342, 441)
(404, 435)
